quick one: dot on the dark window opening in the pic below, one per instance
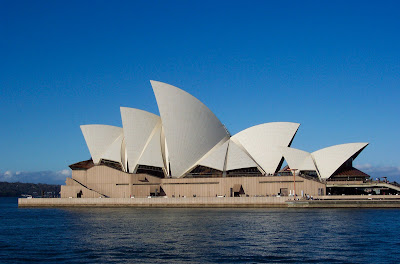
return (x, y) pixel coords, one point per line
(204, 172)
(283, 192)
(153, 171)
(156, 190)
(111, 164)
(244, 172)
(238, 190)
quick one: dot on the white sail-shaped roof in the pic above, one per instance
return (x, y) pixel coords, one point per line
(329, 159)
(151, 155)
(191, 129)
(124, 158)
(216, 157)
(114, 150)
(138, 125)
(264, 142)
(237, 158)
(100, 138)
(299, 159)
(164, 151)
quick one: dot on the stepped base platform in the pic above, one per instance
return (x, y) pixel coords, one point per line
(354, 201)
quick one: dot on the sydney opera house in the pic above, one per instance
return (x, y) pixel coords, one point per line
(188, 152)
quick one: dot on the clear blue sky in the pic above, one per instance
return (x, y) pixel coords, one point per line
(333, 66)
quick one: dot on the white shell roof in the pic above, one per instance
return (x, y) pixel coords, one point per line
(103, 141)
(237, 158)
(151, 155)
(264, 142)
(138, 126)
(189, 134)
(124, 158)
(299, 159)
(329, 159)
(114, 150)
(191, 129)
(216, 158)
(164, 151)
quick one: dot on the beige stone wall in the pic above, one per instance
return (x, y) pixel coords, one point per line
(80, 176)
(72, 188)
(118, 184)
(252, 186)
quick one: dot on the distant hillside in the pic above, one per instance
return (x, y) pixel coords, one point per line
(16, 189)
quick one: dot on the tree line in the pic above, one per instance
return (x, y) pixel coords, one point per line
(17, 189)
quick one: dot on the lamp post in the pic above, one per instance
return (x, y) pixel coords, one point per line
(294, 182)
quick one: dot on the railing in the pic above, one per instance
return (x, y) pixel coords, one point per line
(344, 182)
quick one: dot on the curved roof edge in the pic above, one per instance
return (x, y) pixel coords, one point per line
(299, 159)
(151, 154)
(191, 129)
(136, 139)
(237, 158)
(329, 159)
(144, 112)
(216, 157)
(99, 138)
(290, 125)
(263, 143)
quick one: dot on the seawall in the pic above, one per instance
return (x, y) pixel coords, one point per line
(356, 201)
(156, 202)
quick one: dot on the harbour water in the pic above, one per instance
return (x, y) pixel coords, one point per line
(179, 235)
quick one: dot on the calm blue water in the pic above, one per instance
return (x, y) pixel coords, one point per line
(129, 235)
